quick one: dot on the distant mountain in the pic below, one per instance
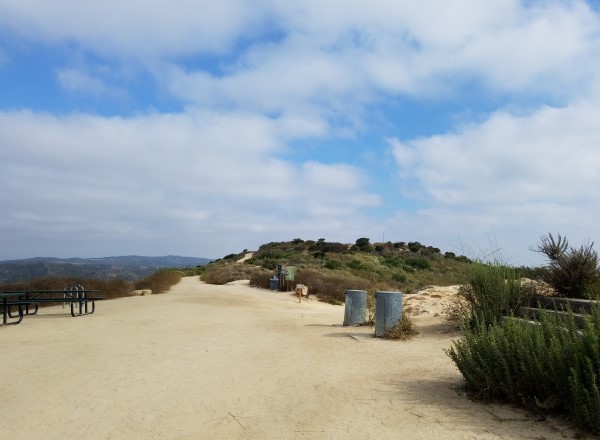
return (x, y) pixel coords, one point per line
(127, 267)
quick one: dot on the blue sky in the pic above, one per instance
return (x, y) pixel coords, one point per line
(203, 128)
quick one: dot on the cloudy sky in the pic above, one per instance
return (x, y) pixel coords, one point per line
(201, 128)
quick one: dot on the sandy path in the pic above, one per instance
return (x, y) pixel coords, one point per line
(233, 362)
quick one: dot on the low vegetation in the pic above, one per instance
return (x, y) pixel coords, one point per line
(492, 291)
(158, 282)
(403, 330)
(328, 269)
(551, 365)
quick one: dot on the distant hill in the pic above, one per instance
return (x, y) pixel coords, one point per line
(127, 267)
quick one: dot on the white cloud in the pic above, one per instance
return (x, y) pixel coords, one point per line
(520, 176)
(160, 177)
(79, 82)
(335, 61)
(257, 76)
(332, 48)
(551, 154)
(135, 28)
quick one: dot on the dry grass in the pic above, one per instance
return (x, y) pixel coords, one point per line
(226, 273)
(110, 288)
(261, 279)
(159, 282)
(403, 330)
(456, 312)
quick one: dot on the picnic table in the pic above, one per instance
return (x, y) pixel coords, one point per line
(27, 302)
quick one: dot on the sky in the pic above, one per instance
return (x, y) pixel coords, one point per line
(202, 128)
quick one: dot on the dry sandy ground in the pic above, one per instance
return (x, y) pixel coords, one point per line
(234, 362)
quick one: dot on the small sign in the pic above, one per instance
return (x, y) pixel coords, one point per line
(290, 273)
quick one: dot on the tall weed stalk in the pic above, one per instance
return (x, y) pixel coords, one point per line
(492, 291)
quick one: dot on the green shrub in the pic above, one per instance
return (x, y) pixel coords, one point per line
(268, 263)
(408, 269)
(333, 264)
(394, 261)
(192, 271)
(549, 366)
(492, 291)
(418, 263)
(362, 242)
(584, 379)
(399, 277)
(225, 273)
(414, 246)
(355, 264)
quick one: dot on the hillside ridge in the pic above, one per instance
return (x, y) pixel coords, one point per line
(129, 267)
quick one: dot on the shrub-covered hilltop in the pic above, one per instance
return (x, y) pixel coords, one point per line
(328, 269)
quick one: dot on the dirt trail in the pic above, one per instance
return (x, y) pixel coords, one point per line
(234, 362)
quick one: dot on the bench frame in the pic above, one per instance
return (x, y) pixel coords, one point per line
(76, 296)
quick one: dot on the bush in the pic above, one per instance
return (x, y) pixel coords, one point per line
(330, 287)
(550, 366)
(393, 261)
(362, 242)
(418, 263)
(355, 264)
(403, 330)
(414, 246)
(570, 271)
(333, 265)
(399, 277)
(226, 273)
(261, 279)
(492, 291)
(160, 281)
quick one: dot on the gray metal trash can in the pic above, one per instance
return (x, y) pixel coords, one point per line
(274, 283)
(388, 311)
(355, 312)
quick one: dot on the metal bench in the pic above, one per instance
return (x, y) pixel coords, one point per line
(76, 296)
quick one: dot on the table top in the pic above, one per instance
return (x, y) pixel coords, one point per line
(24, 292)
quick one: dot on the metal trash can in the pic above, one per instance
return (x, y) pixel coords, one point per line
(274, 283)
(355, 312)
(388, 311)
